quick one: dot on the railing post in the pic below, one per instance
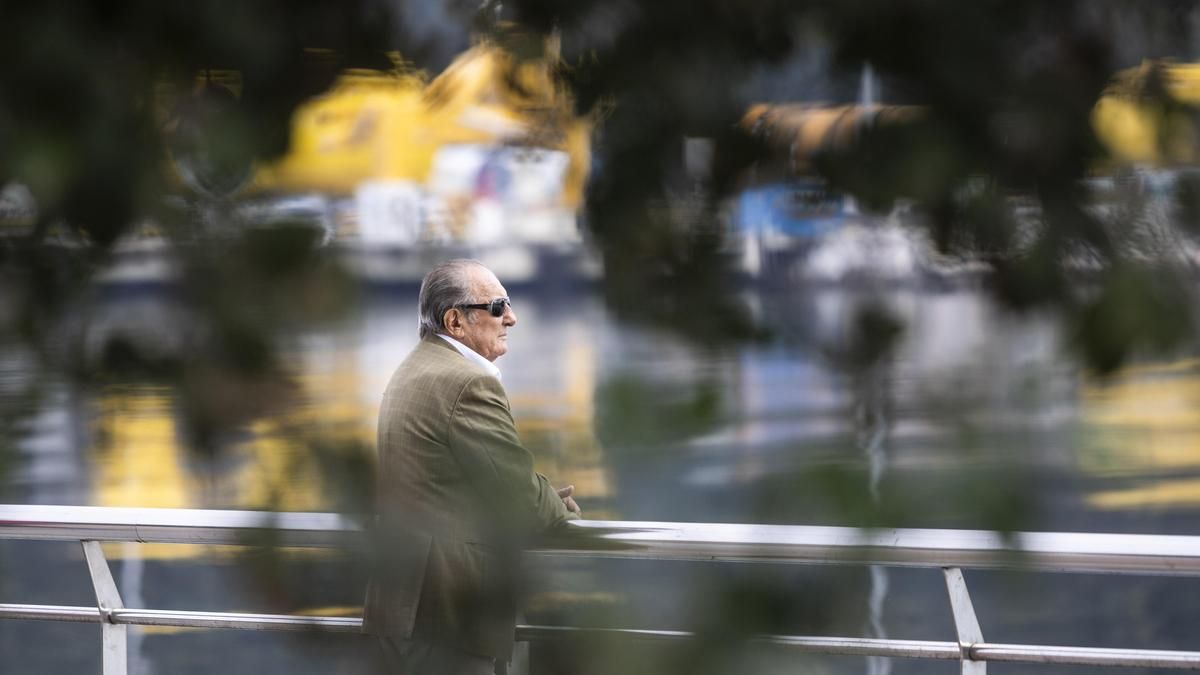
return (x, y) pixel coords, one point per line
(113, 638)
(965, 622)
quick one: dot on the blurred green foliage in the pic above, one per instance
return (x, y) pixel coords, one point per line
(634, 414)
(86, 95)
(1008, 86)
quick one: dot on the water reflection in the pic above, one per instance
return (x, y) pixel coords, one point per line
(1142, 437)
(641, 420)
(873, 434)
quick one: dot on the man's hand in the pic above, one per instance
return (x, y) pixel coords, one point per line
(565, 495)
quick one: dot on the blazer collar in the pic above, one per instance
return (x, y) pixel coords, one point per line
(436, 341)
(466, 352)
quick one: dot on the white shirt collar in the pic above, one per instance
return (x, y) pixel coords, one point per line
(473, 356)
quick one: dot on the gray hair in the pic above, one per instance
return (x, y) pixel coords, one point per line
(445, 287)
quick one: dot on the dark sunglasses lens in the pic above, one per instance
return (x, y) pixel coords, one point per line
(498, 305)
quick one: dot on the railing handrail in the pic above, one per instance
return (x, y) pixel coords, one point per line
(947, 549)
(906, 547)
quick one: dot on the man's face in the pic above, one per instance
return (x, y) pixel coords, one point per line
(487, 335)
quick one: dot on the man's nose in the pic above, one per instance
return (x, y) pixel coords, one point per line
(510, 316)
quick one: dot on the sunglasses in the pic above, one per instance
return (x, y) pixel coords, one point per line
(495, 307)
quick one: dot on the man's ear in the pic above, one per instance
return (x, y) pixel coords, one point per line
(453, 321)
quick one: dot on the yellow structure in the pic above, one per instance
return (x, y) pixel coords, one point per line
(374, 125)
(369, 125)
(1150, 114)
(807, 130)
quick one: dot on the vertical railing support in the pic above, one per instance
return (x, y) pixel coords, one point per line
(965, 622)
(112, 636)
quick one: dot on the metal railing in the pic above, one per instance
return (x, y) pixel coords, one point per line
(950, 550)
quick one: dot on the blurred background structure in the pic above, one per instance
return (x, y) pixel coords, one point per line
(909, 263)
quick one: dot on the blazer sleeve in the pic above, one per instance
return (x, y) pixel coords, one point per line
(483, 439)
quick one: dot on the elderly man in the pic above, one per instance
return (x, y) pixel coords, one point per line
(457, 492)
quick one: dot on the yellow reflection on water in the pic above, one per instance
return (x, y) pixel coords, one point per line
(140, 459)
(557, 424)
(1159, 494)
(136, 452)
(1145, 425)
(137, 461)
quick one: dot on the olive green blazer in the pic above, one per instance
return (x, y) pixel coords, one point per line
(457, 497)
